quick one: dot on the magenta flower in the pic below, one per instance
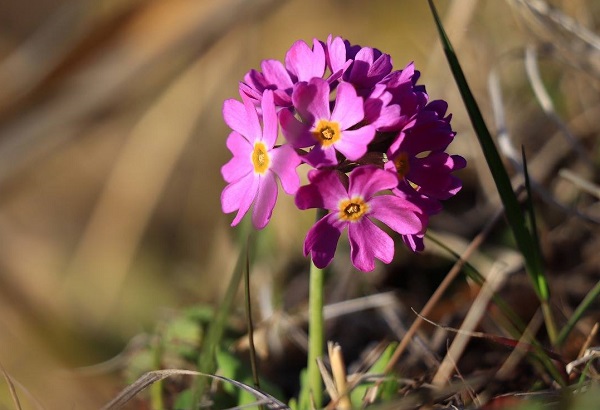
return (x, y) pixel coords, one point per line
(256, 163)
(342, 109)
(301, 64)
(424, 170)
(352, 203)
(361, 66)
(418, 156)
(328, 131)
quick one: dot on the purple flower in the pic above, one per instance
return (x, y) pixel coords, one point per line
(418, 156)
(361, 66)
(301, 64)
(328, 131)
(252, 171)
(352, 203)
(424, 170)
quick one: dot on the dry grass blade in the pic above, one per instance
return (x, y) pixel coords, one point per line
(548, 14)
(339, 376)
(497, 339)
(545, 101)
(588, 340)
(152, 377)
(589, 355)
(12, 384)
(576, 44)
(475, 314)
(434, 299)
(519, 352)
(11, 388)
(427, 395)
(508, 149)
(581, 183)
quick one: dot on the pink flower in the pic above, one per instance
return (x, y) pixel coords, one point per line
(328, 131)
(352, 203)
(301, 64)
(256, 163)
(342, 109)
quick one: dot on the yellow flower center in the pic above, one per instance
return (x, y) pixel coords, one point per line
(327, 132)
(260, 158)
(353, 209)
(402, 165)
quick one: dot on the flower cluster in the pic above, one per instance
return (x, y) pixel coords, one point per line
(374, 140)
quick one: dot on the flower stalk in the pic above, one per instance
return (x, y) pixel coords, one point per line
(316, 333)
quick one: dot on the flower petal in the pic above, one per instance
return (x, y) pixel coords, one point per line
(284, 161)
(428, 132)
(311, 100)
(324, 191)
(275, 74)
(297, 133)
(380, 67)
(251, 87)
(265, 200)
(367, 242)
(304, 62)
(270, 124)
(433, 174)
(367, 180)
(336, 54)
(321, 240)
(242, 118)
(397, 213)
(239, 196)
(353, 143)
(320, 157)
(348, 110)
(240, 164)
(414, 242)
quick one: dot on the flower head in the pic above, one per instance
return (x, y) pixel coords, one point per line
(328, 131)
(256, 164)
(365, 127)
(352, 203)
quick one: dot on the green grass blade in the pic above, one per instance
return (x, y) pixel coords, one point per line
(590, 298)
(541, 277)
(207, 360)
(250, 325)
(509, 200)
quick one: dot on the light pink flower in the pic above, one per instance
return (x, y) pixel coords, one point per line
(256, 164)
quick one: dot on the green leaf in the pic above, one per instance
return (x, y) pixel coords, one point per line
(388, 389)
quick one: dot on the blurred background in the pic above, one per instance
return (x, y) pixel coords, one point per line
(111, 143)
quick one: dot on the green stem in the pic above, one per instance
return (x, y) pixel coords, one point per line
(549, 321)
(316, 333)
